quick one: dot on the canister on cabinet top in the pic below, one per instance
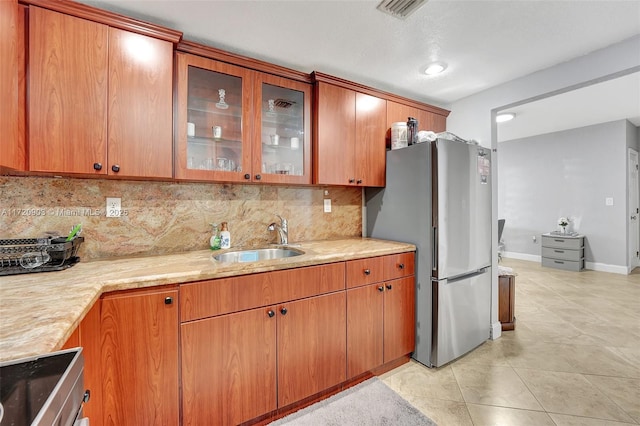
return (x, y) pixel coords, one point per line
(412, 130)
(398, 135)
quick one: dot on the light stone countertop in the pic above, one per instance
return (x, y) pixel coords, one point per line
(38, 312)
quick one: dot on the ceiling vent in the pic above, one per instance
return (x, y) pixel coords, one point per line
(400, 8)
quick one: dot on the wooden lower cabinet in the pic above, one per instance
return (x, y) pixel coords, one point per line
(229, 367)
(312, 346)
(239, 366)
(399, 318)
(139, 358)
(380, 324)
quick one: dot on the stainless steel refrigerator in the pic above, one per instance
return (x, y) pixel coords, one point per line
(438, 197)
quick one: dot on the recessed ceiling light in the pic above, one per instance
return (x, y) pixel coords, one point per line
(505, 116)
(435, 68)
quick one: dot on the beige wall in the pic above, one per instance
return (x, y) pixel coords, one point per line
(166, 217)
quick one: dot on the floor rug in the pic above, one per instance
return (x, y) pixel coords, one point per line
(370, 403)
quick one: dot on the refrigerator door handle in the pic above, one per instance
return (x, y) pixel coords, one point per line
(467, 276)
(434, 250)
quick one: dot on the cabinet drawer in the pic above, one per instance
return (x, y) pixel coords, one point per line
(365, 271)
(563, 254)
(221, 296)
(561, 242)
(399, 265)
(567, 265)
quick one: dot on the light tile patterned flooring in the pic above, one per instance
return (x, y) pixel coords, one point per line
(573, 358)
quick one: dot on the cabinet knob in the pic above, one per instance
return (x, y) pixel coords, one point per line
(97, 166)
(352, 180)
(168, 300)
(381, 288)
(258, 177)
(367, 271)
(86, 396)
(283, 311)
(270, 313)
(401, 266)
(359, 181)
(115, 168)
(389, 286)
(247, 176)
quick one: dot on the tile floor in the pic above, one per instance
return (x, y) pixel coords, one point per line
(573, 358)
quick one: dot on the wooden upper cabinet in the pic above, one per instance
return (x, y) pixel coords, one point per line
(350, 137)
(213, 124)
(239, 125)
(12, 72)
(68, 83)
(427, 120)
(282, 111)
(100, 98)
(334, 149)
(370, 158)
(140, 105)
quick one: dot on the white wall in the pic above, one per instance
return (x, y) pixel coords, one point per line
(567, 173)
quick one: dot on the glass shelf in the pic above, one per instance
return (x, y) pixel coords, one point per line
(206, 141)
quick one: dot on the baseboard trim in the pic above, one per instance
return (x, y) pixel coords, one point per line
(603, 267)
(496, 330)
(522, 256)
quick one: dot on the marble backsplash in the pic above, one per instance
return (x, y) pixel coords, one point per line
(169, 217)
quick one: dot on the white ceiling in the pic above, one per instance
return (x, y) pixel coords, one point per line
(484, 43)
(611, 100)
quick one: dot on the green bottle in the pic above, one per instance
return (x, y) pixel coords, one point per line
(214, 242)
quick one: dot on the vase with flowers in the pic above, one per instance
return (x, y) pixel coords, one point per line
(563, 222)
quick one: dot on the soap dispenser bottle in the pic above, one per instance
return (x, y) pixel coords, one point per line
(225, 236)
(214, 241)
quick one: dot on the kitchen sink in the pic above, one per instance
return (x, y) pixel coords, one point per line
(255, 255)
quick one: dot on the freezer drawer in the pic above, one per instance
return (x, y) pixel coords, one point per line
(461, 315)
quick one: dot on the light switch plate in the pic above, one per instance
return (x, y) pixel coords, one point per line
(327, 205)
(608, 201)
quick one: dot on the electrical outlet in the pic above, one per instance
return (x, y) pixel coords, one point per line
(114, 207)
(327, 205)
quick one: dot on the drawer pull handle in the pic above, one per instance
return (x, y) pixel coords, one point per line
(168, 300)
(559, 241)
(270, 313)
(559, 251)
(381, 288)
(367, 271)
(401, 266)
(557, 261)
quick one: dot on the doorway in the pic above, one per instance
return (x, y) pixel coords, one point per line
(634, 211)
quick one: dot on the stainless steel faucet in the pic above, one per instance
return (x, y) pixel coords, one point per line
(283, 230)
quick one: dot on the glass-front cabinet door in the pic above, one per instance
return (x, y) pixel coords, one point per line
(283, 113)
(213, 132)
(234, 124)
